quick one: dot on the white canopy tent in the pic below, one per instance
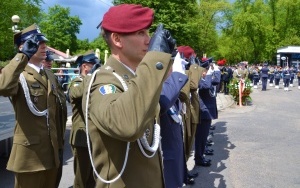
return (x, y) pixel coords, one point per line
(288, 56)
(289, 49)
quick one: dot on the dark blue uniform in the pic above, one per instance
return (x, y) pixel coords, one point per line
(277, 76)
(264, 77)
(208, 111)
(286, 79)
(271, 76)
(298, 77)
(171, 131)
(255, 78)
(226, 77)
(292, 72)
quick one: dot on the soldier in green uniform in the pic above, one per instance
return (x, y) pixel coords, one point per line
(47, 63)
(82, 165)
(41, 114)
(123, 100)
(241, 72)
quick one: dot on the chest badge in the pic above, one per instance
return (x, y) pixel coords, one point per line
(35, 99)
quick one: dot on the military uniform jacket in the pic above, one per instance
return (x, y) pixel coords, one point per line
(35, 147)
(208, 103)
(240, 73)
(171, 130)
(195, 75)
(226, 74)
(286, 74)
(264, 72)
(184, 97)
(78, 134)
(117, 117)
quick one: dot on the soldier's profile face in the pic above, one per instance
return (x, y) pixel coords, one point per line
(41, 52)
(47, 64)
(135, 45)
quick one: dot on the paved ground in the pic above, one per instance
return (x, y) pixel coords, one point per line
(257, 145)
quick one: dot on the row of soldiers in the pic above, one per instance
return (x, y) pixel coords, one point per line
(274, 74)
(135, 120)
(263, 74)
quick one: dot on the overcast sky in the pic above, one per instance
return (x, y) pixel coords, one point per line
(89, 11)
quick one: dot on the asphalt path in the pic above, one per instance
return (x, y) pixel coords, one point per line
(255, 146)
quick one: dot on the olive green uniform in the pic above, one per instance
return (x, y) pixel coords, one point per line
(184, 97)
(82, 165)
(189, 95)
(240, 73)
(195, 75)
(117, 116)
(36, 146)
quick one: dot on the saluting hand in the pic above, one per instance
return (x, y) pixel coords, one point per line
(162, 41)
(179, 64)
(30, 46)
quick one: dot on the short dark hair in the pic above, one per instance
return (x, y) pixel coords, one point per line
(106, 36)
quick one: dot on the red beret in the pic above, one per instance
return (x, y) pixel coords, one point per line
(127, 18)
(186, 50)
(204, 59)
(221, 62)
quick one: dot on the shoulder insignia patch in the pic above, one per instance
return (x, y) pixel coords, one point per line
(107, 89)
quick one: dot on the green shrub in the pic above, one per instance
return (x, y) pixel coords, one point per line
(234, 91)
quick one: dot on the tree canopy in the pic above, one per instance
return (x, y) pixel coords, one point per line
(29, 14)
(61, 28)
(250, 30)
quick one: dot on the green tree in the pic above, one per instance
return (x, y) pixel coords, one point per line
(101, 45)
(29, 13)
(83, 46)
(255, 29)
(61, 28)
(208, 18)
(176, 15)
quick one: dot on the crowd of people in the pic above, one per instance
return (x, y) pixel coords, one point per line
(264, 74)
(272, 76)
(135, 120)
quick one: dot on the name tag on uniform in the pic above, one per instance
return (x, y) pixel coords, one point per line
(35, 85)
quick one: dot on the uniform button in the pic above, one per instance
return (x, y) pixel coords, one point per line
(147, 133)
(180, 79)
(159, 66)
(126, 76)
(26, 143)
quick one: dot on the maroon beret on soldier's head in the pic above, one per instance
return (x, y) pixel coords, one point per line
(127, 18)
(186, 50)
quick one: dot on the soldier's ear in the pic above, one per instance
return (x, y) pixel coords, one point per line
(20, 47)
(116, 39)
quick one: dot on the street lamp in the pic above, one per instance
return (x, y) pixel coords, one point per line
(15, 19)
(283, 58)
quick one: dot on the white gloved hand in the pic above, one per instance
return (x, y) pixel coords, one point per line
(210, 71)
(216, 67)
(179, 64)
